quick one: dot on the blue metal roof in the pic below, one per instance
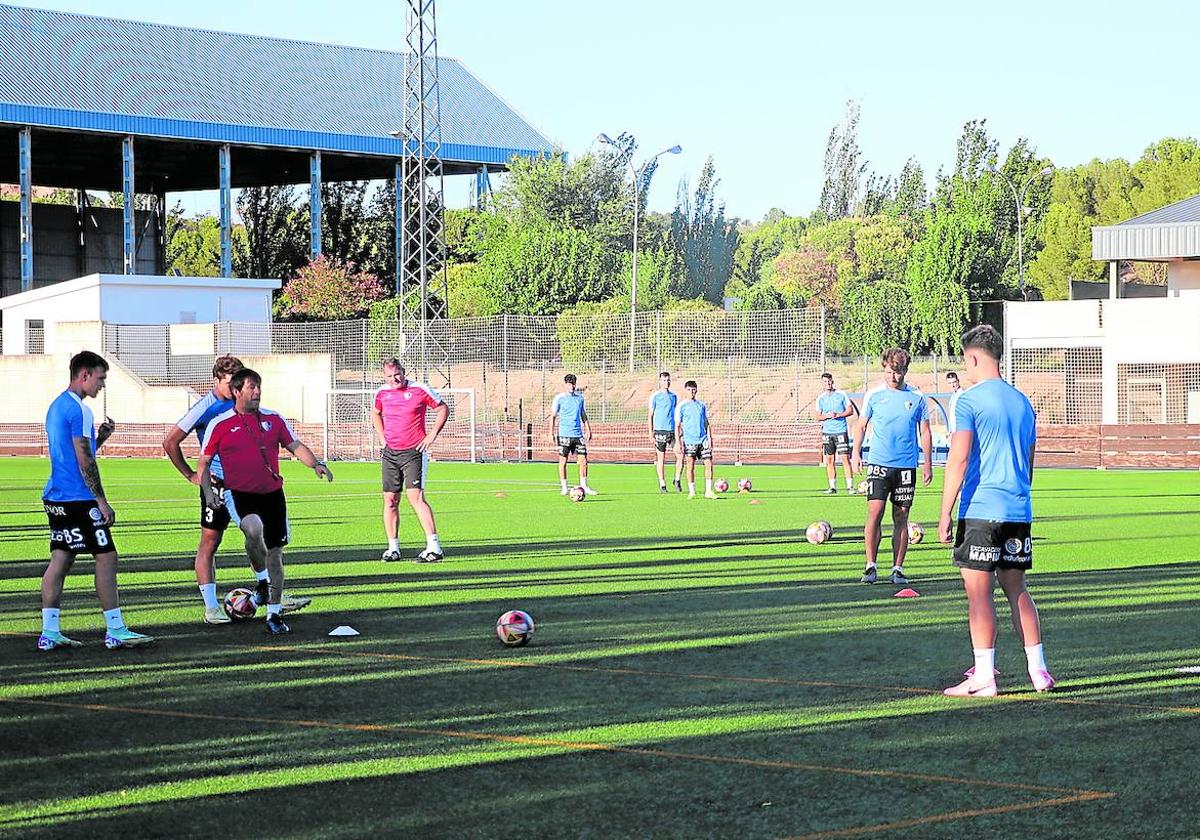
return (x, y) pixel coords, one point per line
(72, 71)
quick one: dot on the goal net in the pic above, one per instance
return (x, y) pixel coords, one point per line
(350, 433)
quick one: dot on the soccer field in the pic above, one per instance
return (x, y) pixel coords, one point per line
(698, 670)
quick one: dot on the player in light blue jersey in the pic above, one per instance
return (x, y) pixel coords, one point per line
(77, 508)
(896, 414)
(214, 520)
(660, 416)
(833, 408)
(694, 431)
(571, 432)
(991, 462)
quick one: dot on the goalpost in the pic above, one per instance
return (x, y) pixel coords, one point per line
(349, 434)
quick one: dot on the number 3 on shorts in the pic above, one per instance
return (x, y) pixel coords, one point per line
(208, 514)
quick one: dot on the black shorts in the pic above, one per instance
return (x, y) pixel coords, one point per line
(663, 440)
(985, 546)
(214, 518)
(897, 483)
(567, 445)
(698, 451)
(403, 469)
(271, 508)
(75, 527)
(839, 443)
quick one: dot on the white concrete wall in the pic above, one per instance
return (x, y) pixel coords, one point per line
(173, 300)
(1075, 322)
(1183, 279)
(82, 305)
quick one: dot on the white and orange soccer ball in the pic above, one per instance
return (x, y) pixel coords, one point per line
(816, 533)
(514, 628)
(577, 494)
(744, 485)
(915, 532)
(721, 485)
(239, 604)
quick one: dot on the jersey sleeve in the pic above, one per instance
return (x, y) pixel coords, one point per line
(554, 405)
(73, 417)
(379, 400)
(922, 408)
(430, 397)
(212, 439)
(678, 414)
(189, 420)
(867, 409)
(650, 402)
(964, 416)
(286, 436)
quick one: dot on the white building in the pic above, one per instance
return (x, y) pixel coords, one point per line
(31, 318)
(1119, 360)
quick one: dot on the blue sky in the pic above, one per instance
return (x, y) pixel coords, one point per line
(759, 88)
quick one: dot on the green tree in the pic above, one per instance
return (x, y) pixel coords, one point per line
(1066, 253)
(276, 236)
(704, 238)
(937, 276)
(760, 244)
(844, 167)
(328, 289)
(911, 197)
(194, 245)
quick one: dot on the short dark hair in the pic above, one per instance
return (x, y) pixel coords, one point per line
(984, 337)
(951, 375)
(86, 360)
(828, 376)
(569, 378)
(239, 379)
(896, 357)
(666, 373)
(226, 365)
(691, 383)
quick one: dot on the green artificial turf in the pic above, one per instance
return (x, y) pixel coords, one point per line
(698, 669)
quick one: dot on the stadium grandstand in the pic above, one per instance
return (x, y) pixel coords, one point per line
(92, 103)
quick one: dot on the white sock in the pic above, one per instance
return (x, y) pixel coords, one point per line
(208, 591)
(583, 481)
(564, 484)
(849, 484)
(662, 482)
(432, 543)
(274, 609)
(263, 575)
(833, 484)
(50, 622)
(708, 485)
(113, 620)
(1036, 658)
(393, 544)
(985, 665)
(691, 487)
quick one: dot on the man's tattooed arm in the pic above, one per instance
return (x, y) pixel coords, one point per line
(88, 467)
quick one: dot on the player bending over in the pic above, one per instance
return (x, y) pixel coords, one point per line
(78, 510)
(896, 412)
(399, 419)
(247, 438)
(832, 409)
(569, 419)
(991, 461)
(214, 521)
(695, 439)
(661, 417)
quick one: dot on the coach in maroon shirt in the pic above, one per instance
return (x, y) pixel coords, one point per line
(247, 438)
(399, 418)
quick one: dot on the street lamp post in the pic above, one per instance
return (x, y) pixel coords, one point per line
(637, 174)
(1019, 197)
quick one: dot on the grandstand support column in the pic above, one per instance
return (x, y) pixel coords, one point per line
(81, 204)
(128, 191)
(483, 186)
(398, 245)
(25, 166)
(160, 232)
(314, 204)
(226, 211)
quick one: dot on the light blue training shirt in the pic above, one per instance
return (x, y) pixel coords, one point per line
(197, 419)
(569, 408)
(663, 403)
(895, 416)
(67, 419)
(692, 416)
(999, 476)
(830, 401)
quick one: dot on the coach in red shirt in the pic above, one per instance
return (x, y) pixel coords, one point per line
(247, 438)
(399, 418)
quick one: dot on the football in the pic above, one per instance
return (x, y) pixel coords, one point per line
(915, 532)
(239, 604)
(863, 488)
(577, 494)
(744, 485)
(721, 485)
(514, 628)
(828, 526)
(816, 533)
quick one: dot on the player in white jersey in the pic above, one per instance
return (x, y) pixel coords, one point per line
(955, 389)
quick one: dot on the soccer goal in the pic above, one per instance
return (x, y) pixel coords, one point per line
(350, 434)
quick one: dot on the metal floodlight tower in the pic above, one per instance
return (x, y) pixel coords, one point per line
(420, 234)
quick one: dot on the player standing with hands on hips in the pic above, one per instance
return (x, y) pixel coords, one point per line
(896, 413)
(991, 462)
(399, 418)
(76, 506)
(247, 439)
